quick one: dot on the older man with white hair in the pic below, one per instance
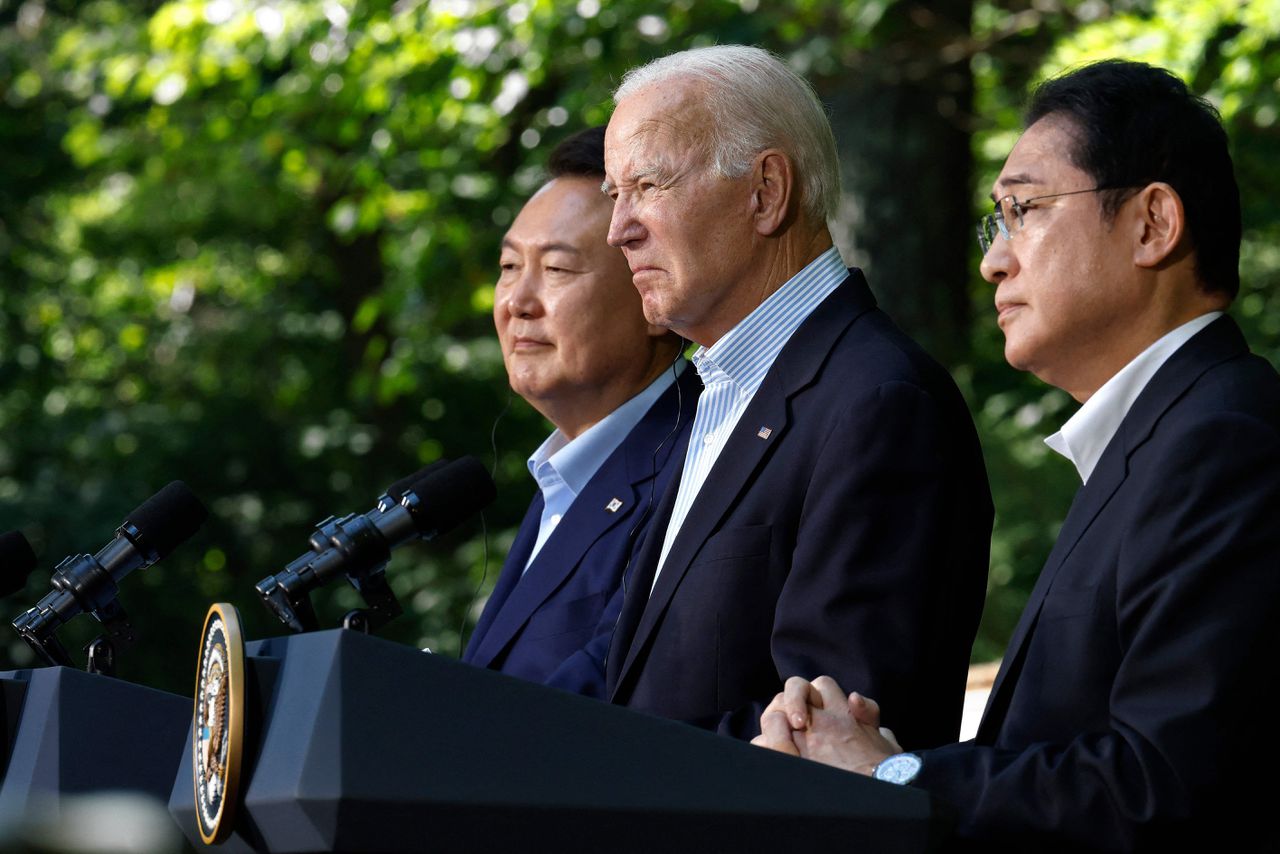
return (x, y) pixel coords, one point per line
(832, 514)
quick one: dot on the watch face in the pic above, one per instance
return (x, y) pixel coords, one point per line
(901, 768)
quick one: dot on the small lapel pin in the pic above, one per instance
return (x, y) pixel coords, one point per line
(614, 505)
(765, 432)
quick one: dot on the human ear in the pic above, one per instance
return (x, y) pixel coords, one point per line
(773, 184)
(1160, 224)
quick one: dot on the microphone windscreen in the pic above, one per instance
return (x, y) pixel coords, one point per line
(397, 489)
(452, 493)
(167, 519)
(17, 559)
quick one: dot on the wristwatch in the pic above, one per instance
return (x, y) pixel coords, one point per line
(900, 768)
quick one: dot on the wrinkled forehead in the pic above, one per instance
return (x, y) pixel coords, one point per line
(660, 122)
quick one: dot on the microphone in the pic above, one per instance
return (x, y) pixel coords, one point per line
(16, 562)
(430, 502)
(397, 490)
(90, 583)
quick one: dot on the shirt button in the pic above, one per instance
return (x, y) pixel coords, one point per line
(709, 438)
(555, 519)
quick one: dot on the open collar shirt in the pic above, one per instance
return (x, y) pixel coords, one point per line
(1086, 434)
(732, 369)
(562, 467)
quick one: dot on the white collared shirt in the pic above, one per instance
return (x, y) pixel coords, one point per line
(1087, 433)
(732, 370)
(563, 467)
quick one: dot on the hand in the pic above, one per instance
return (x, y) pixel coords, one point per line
(816, 721)
(788, 712)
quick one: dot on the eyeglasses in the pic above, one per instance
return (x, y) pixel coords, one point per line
(1009, 209)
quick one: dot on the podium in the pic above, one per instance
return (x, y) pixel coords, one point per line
(68, 733)
(354, 743)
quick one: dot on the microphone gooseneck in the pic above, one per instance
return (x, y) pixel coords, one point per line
(90, 583)
(430, 502)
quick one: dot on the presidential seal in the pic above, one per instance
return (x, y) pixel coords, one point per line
(217, 738)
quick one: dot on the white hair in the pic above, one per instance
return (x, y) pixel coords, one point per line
(756, 102)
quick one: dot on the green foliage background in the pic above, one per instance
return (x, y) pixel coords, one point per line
(251, 245)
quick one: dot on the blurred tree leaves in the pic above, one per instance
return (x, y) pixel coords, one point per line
(1228, 52)
(251, 245)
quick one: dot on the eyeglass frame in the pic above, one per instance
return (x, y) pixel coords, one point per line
(996, 217)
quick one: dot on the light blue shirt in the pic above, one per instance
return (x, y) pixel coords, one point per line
(1087, 433)
(733, 368)
(563, 467)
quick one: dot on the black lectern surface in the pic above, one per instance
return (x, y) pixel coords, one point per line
(68, 732)
(360, 744)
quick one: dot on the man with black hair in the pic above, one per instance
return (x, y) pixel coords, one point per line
(577, 347)
(1140, 684)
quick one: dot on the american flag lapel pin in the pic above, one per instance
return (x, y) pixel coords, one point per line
(765, 432)
(614, 506)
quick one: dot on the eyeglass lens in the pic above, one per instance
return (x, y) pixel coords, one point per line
(1006, 210)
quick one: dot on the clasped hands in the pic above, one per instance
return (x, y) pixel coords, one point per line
(816, 721)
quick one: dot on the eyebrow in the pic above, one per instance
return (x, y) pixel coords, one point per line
(1017, 180)
(647, 171)
(508, 243)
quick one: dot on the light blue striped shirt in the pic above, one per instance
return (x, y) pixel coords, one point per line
(563, 467)
(733, 368)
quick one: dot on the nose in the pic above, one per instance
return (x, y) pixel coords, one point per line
(522, 296)
(624, 226)
(999, 263)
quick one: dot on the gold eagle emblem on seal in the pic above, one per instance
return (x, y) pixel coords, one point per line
(217, 737)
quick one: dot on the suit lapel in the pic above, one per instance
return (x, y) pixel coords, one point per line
(638, 581)
(1088, 503)
(742, 455)
(623, 478)
(512, 568)
(746, 450)
(584, 524)
(1217, 342)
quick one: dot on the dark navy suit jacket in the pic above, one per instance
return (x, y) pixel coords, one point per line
(844, 530)
(1138, 696)
(553, 624)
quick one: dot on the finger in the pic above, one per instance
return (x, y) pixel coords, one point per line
(775, 734)
(800, 740)
(780, 706)
(797, 696)
(864, 709)
(830, 691)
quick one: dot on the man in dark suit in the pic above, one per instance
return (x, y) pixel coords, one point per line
(577, 347)
(832, 511)
(1141, 683)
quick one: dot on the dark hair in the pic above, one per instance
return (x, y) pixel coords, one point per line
(580, 154)
(1135, 124)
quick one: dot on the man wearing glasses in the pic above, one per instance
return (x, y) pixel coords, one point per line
(1138, 691)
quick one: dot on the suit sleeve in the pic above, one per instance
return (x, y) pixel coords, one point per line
(1197, 588)
(886, 581)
